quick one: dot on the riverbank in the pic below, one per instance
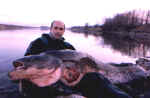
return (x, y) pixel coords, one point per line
(91, 30)
(14, 27)
(142, 30)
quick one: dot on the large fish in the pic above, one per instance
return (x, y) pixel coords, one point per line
(37, 68)
(49, 61)
(45, 69)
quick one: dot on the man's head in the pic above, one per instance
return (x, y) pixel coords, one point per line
(57, 29)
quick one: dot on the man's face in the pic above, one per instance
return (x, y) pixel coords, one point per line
(57, 29)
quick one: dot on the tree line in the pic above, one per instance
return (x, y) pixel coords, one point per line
(127, 21)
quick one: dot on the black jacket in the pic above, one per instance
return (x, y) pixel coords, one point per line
(95, 85)
(45, 43)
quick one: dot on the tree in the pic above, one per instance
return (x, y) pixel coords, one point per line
(147, 21)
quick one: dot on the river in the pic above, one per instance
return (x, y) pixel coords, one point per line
(14, 43)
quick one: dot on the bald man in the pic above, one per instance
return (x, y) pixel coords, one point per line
(51, 41)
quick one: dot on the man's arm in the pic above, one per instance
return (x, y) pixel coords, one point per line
(94, 85)
(69, 46)
(35, 47)
(63, 90)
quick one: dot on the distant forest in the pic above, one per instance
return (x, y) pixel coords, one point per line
(13, 27)
(127, 21)
(131, 21)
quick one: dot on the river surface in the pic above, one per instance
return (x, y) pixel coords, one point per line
(14, 43)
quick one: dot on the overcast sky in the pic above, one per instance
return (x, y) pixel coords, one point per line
(72, 12)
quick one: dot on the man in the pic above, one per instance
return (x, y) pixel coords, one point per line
(51, 41)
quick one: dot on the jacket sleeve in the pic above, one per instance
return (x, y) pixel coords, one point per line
(99, 87)
(69, 46)
(35, 47)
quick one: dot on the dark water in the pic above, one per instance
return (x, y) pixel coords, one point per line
(137, 46)
(14, 43)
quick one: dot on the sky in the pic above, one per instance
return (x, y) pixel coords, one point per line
(72, 12)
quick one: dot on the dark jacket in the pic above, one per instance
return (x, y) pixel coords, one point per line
(56, 89)
(95, 85)
(45, 42)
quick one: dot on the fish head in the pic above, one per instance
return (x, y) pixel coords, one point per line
(32, 66)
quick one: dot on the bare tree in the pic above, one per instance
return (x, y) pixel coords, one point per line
(147, 17)
(127, 21)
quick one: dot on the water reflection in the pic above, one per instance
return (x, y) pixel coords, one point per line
(95, 46)
(128, 46)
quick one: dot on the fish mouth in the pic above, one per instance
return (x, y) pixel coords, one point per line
(17, 74)
(18, 64)
(18, 69)
(21, 72)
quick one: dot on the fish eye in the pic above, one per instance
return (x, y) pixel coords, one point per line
(17, 64)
